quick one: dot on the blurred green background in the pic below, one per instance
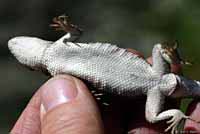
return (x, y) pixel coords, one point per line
(127, 23)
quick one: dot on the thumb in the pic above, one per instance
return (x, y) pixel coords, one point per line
(68, 107)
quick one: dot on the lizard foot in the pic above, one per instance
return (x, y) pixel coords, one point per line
(63, 23)
(175, 121)
(193, 120)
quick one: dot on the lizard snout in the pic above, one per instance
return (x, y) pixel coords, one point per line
(28, 50)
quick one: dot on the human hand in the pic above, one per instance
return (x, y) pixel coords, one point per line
(63, 104)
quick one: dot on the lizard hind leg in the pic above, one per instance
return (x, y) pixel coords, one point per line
(153, 112)
(175, 121)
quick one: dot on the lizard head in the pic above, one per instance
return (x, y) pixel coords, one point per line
(28, 50)
(170, 53)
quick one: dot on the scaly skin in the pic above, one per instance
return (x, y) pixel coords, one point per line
(112, 71)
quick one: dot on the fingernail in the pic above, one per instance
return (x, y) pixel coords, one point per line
(58, 91)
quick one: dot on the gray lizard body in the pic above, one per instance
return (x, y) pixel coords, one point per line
(103, 65)
(111, 70)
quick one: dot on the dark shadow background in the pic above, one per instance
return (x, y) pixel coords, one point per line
(128, 23)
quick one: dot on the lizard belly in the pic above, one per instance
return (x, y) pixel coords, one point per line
(104, 73)
(103, 65)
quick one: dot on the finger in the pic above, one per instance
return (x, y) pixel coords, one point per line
(29, 121)
(149, 60)
(113, 117)
(146, 128)
(68, 107)
(194, 112)
(175, 68)
(135, 52)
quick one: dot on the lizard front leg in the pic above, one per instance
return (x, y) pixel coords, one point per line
(154, 103)
(63, 23)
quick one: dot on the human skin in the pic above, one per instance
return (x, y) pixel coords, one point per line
(64, 104)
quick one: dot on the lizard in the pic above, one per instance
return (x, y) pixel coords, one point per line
(113, 71)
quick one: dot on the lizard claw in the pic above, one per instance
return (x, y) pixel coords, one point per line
(192, 119)
(176, 119)
(63, 23)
